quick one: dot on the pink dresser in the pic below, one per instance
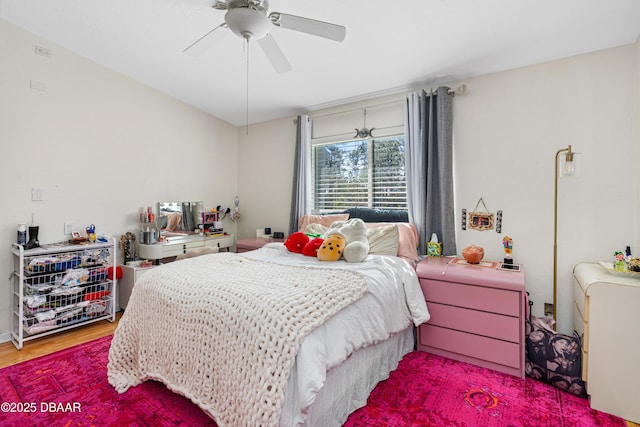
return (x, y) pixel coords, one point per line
(477, 314)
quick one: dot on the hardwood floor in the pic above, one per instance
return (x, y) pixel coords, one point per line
(52, 343)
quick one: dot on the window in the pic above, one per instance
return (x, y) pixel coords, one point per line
(359, 173)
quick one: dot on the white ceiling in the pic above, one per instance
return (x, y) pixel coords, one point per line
(390, 46)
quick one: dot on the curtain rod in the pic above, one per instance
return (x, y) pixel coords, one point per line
(459, 91)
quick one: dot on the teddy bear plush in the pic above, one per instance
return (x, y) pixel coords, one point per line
(354, 232)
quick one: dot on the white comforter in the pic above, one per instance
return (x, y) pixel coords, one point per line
(394, 300)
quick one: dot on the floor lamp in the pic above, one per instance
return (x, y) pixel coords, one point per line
(568, 169)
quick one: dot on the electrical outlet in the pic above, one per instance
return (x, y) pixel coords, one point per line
(37, 195)
(548, 309)
(68, 227)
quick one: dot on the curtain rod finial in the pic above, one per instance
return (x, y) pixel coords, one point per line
(461, 89)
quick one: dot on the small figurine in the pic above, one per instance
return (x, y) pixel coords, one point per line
(91, 233)
(507, 243)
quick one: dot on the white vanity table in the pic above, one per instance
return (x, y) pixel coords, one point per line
(173, 246)
(178, 243)
(607, 311)
(184, 216)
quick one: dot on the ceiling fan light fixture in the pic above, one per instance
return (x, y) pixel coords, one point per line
(252, 20)
(248, 23)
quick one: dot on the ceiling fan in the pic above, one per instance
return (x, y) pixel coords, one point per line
(252, 20)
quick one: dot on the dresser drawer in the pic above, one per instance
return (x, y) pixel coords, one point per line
(175, 249)
(219, 242)
(475, 297)
(578, 321)
(476, 322)
(501, 352)
(579, 298)
(585, 368)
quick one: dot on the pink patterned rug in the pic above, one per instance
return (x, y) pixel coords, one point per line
(70, 388)
(429, 390)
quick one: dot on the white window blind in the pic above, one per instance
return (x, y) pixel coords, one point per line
(359, 173)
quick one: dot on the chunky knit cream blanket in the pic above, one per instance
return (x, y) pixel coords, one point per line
(224, 331)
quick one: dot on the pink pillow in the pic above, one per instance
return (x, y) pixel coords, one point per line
(408, 239)
(325, 220)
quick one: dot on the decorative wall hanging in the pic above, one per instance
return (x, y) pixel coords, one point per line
(481, 221)
(364, 132)
(464, 219)
(499, 222)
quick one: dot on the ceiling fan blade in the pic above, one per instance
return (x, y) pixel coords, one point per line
(205, 42)
(309, 26)
(274, 54)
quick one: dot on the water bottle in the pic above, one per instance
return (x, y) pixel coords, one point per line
(22, 234)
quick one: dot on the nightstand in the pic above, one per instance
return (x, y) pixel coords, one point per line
(477, 314)
(130, 276)
(253, 243)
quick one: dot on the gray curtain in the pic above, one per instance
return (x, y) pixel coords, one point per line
(301, 190)
(429, 166)
(187, 217)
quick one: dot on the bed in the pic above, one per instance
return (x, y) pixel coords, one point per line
(342, 327)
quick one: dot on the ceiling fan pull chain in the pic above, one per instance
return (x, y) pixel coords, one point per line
(247, 100)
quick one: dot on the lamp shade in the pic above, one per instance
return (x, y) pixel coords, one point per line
(569, 164)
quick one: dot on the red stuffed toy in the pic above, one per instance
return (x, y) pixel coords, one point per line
(296, 241)
(311, 248)
(117, 273)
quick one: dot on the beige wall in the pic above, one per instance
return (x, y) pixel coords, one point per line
(507, 128)
(636, 115)
(265, 175)
(100, 145)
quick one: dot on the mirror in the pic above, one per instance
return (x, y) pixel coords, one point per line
(179, 218)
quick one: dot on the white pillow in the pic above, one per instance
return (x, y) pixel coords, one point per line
(325, 220)
(383, 240)
(316, 229)
(407, 240)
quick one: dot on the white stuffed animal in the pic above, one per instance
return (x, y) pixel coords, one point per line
(354, 232)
